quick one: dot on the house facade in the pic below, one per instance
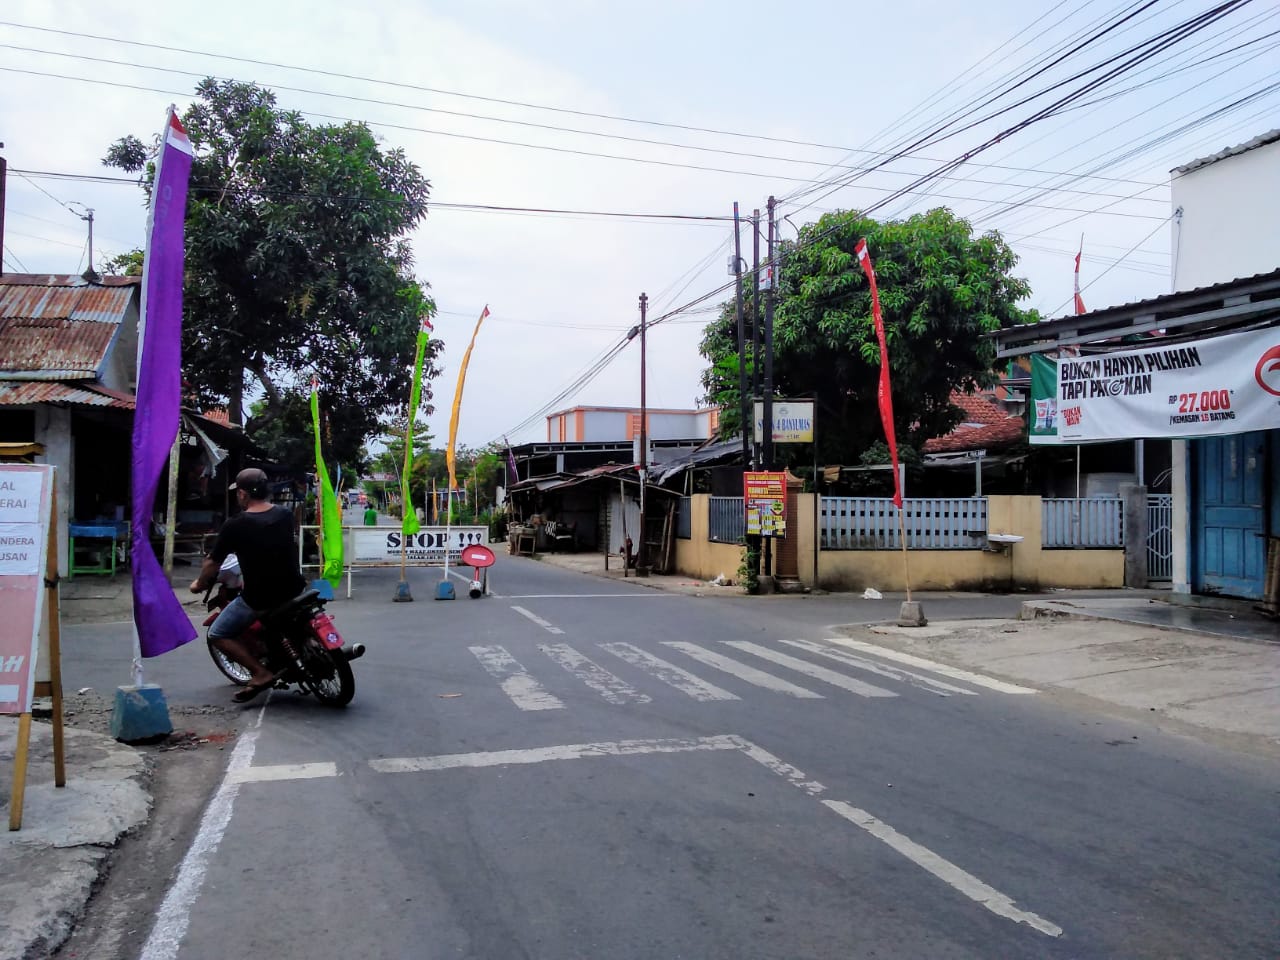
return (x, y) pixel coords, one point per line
(67, 377)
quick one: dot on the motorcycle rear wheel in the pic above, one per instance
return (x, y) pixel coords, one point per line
(230, 669)
(328, 675)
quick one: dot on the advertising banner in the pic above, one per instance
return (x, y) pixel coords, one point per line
(1043, 414)
(792, 421)
(26, 492)
(371, 545)
(1219, 385)
(764, 495)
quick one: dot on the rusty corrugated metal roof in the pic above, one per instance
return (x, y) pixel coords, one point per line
(58, 327)
(18, 393)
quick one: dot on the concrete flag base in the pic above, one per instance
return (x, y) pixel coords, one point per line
(140, 714)
(911, 614)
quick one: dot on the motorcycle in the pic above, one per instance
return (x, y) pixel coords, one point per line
(297, 637)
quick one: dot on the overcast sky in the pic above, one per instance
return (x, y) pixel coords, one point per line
(798, 93)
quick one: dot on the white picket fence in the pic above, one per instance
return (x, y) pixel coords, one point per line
(931, 523)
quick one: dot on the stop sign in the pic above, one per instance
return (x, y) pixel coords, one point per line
(478, 556)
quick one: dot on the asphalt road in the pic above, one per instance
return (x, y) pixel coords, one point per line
(579, 768)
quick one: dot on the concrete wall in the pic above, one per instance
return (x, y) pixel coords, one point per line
(1026, 565)
(53, 429)
(1230, 223)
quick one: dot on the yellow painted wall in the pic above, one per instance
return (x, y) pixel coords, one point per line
(1025, 565)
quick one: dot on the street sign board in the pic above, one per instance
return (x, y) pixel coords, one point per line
(26, 492)
(478, 556)
(792, 421)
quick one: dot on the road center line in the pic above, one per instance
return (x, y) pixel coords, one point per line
(550, 628)
(282, 771)
(943, 869)
(954, 672)
(957, 878)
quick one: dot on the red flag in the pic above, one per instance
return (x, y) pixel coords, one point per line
(1079, 302)
(886, 399)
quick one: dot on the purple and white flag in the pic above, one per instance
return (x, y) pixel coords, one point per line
(161, 622)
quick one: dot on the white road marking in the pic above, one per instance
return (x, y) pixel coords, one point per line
(524, 691)
(955, 673)
(283, 771)
(741, 670)
(943, 869)
(639, 594)
(812, 670)
(537, 619)
(894, 673)
(959, 879)
(669, 673)
(571, 751)
(174, 915)
(614, 689)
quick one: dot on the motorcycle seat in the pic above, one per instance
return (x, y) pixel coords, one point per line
(289, 607)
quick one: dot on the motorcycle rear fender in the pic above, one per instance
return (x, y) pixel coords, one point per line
(322, 626)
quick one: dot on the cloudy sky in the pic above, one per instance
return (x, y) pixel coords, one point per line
(673, 110)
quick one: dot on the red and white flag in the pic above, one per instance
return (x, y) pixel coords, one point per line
(1079, 302)
(885, 397)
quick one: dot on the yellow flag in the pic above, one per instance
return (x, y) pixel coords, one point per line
(457, 401)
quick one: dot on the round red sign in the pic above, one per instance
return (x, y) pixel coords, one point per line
(477, 555)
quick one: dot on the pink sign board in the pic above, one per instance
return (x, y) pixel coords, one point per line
(25, 500)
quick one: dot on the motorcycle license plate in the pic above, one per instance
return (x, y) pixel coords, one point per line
(325, 631)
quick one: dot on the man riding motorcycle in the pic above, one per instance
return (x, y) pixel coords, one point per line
(261, 535)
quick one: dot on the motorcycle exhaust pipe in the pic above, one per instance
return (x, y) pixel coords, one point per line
(355, 651)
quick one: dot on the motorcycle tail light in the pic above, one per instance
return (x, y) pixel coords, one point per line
(322, 626)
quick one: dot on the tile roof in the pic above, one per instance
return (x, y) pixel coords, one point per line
(983, 426)
(1271, 136)
(60, 327)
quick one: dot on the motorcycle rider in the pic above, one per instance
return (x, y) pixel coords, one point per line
(261, 536)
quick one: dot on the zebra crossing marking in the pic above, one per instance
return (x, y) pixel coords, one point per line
(811, 670)
(516, 682)
(954, 673)
(741, 670)
(893, 673)
(612, 688)
(669, 673)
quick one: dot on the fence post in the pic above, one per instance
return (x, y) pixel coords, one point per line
(1134, 498)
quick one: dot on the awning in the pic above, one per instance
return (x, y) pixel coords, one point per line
(15, 393)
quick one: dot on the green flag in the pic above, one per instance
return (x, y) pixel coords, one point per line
(409, 516)
(330, 514)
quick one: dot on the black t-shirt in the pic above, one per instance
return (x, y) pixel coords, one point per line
(263, 542)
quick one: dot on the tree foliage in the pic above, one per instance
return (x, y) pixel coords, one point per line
(941, 289)
(297, 264)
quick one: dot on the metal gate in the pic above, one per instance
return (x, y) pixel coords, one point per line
(1160, 536)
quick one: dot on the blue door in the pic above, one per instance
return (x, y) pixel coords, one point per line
(1229, 512)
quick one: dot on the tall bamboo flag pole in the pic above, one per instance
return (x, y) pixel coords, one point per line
(453, 432)
(886, 404)
(408, 516)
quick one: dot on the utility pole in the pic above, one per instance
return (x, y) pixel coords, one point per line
(744, 404)
(88, 218)
(642, 556)
(755, 325)
(4, 179)
(767, 426)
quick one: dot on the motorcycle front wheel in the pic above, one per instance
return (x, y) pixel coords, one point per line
(230, 669)
(328, 675)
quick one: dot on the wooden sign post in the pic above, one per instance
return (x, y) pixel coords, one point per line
(29, 656)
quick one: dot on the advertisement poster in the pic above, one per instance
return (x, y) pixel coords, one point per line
(371, 545)
(25, 500)
(765, 499)
(1202, 388)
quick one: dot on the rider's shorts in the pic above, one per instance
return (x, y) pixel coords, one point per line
(236, 617)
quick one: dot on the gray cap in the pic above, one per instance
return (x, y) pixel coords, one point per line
(253, 482)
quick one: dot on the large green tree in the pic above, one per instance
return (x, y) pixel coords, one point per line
(941, 289)
(297, 264)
